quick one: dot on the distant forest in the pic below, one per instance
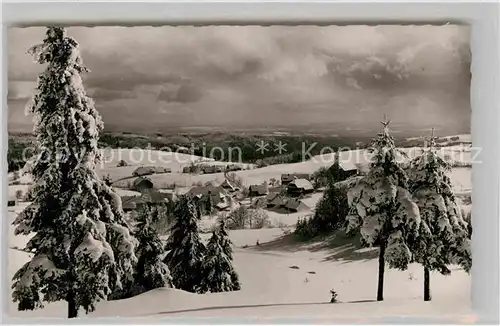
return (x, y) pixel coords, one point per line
(201, 144)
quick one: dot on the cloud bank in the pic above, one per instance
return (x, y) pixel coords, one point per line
(156, 77)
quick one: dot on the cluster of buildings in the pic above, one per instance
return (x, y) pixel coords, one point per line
(286, 196)
(210, 169)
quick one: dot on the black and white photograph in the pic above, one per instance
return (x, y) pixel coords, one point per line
(260, 172)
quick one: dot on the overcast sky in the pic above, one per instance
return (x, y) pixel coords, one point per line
(261, 76)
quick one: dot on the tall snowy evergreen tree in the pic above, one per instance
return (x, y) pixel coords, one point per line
(185, 249)
(82, 248)
(382, 208)
(225, 241)
(151, 272)
(444, 235)
(226, 245)
(219, 274)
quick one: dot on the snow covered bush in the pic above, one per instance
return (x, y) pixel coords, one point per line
(444, 237)
(258, 219)
(243, 217)
(82, 248)
(185, 249)
(381, 207)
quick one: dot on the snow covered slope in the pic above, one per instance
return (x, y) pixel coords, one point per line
(271, 289)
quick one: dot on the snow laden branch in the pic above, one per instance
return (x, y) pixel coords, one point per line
(80, 234)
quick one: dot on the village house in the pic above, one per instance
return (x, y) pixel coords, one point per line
(148, 170)
(270, 197)
(276, 189)
(352, 168)
(286, 178)
(259, 202)
(133, 203)
(300, 187)
(229, 186)
(233, 167)
(170, 195)
(200, 195)
(295, 205)
(276, 201)
(142, 184)
(291, 205)
(210, 169)
(258, 190)
(195, 169)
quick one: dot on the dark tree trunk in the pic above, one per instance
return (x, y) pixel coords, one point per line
(381, 271)
(427, 284)
(72, 308)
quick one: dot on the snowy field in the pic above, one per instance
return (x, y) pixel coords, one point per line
(254, 175)
(176, 161)
(271, 289)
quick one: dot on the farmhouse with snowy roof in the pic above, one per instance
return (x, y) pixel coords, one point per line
(142, 184)
(200, 195)
(300, 187)
(229, 186)
(286, 178)
(132, 203)
(148, 170)
(258, 190)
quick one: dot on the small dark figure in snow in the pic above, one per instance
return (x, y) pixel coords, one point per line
(334, 296)
(258, 243)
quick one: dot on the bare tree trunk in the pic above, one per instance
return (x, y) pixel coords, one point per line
(72, 308)
(381, 271)
(427, 284)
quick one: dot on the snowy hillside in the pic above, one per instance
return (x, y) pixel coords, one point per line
(271, 289)
(350, 159)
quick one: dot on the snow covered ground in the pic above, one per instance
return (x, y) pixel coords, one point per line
(254, 175)
(272, 289)
(176, 161)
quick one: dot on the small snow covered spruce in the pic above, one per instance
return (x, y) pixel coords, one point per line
(382, 209)
(185, 249)
(219, 273)
(444, 234)
(151, 272)
(82, 248)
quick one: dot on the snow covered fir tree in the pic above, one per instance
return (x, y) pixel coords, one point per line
(443, 237)
(219, 274)
(382, 209)
(185, 250)
(150, 272)
(82, 248)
